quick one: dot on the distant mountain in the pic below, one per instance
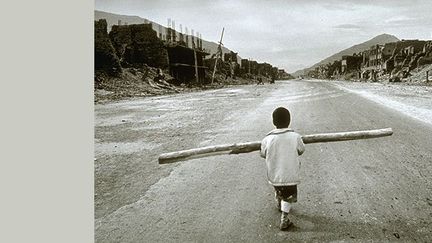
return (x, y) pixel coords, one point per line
(112, 19)
(380, 39)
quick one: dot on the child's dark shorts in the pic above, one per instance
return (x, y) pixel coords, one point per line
(287, 193)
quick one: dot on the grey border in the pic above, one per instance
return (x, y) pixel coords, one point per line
(47, 121)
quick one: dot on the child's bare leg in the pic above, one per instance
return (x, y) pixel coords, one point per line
(285, 206)
(278, 200)
(286, 195)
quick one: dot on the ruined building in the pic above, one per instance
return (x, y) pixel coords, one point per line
(138, 44)
(244, 66)
(385, 54)
(231, 64)
(395, 59)
(186, 64)
(404, 55)
(351, 63)
(247, 67)
(230, 57)
(253, 67)
(426, 55)
(392, 58)
(105, 55)
(180, 54)
(185, 55)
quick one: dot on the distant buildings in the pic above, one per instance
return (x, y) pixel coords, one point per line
(394, 59)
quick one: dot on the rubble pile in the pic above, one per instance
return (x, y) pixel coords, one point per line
(135, 82)
(420, 74)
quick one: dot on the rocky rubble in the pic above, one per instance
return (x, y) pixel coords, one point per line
(134, 82)
(418, 75)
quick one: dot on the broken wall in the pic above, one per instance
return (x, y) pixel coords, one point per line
(138, 44)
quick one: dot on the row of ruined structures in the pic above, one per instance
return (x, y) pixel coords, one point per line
(180, 55)
(393, 61)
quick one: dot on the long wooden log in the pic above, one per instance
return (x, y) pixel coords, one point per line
(238, 148)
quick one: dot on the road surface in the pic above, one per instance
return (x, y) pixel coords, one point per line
(365, 190)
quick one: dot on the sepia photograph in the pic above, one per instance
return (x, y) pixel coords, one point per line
(262, 121)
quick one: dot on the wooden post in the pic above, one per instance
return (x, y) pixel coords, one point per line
(214, 70)
(217, 56)
(254, 146)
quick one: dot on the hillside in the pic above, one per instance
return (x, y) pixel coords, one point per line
(380, 39)
(112, 19)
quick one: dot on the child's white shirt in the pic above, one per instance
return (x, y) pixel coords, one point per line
(281, 149)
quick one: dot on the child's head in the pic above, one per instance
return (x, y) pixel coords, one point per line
(281, 117)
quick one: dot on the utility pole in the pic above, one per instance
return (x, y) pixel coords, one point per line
(219, 52)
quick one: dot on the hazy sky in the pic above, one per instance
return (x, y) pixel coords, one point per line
(288, 34)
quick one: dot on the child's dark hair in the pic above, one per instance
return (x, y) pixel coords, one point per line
(281, 117)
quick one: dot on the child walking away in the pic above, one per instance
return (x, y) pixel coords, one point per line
(281, 148)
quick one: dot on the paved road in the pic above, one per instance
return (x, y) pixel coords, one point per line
(366, 190)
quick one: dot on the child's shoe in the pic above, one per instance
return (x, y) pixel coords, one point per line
(285, 222)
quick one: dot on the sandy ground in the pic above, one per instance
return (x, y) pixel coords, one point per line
(367, 190)
(412, 100)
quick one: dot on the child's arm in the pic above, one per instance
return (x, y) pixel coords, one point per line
(300, 145)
